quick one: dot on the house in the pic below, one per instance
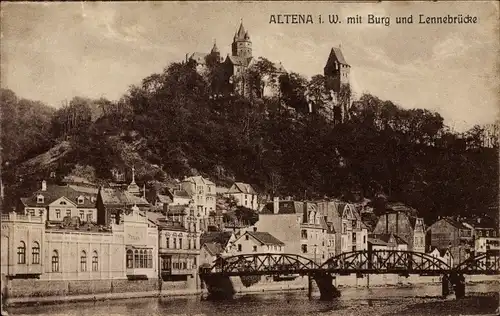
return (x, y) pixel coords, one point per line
(452, 234)
(160, 200)
(112, 204)
(257, 242)
(444, 254)
(376, 244)
(244, 194)
(400, 220)
(209, 252)
(54, 202)
(202, 192)
(178, 197)
(223, 238)
(301, 227)
(485, 234)
(351, 233)
(392, 242)
(179, 243)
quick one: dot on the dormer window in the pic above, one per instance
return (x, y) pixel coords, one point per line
(81, 200)
(63, 203)
(39, 198)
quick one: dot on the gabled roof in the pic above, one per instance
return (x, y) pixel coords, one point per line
(288, 207)
(279, 67)
(55, 192)
(387, 237)
(163, 198)
(455, 223)
(116, 197)
(213, 248)
(218, 237)
(265, 238)
(241, 187)
(199, 180)
(376, 241)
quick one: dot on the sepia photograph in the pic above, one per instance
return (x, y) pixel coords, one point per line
(261, 158)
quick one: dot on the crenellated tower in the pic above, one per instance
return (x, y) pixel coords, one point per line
(242, 46)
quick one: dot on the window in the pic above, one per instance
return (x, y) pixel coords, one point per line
(58, 213)
(246, 237)
(150, 259)
(39, 199)
(95, 261)
(344, 228)
(180, 243)
(304, 248)
(479, 233)
(487, 233)
(364, 239)
(35, 253)
(304, 234)
(254, 248)
(80, 200)
(89, 218)
(353, 237)
(63, 203)
(83, 261)
(239, 247)
(32, 212)
(55, 261)
(82, 215)
(130, 259)
(167, 241)
(68, 213)
(137, 260)
(143, 258)
(175, 243)
(40, 212)
(21, 253)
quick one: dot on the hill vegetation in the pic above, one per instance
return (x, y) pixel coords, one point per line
(173, 125)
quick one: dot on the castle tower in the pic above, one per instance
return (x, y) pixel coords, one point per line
(337, 70)
(242, 46)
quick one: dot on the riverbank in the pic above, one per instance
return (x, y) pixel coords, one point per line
(264, 286)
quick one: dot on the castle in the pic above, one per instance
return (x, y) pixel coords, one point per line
(232, 70)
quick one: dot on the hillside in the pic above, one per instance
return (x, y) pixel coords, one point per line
(171, 126)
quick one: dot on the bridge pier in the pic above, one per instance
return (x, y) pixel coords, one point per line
(219, 287)
(327, 290)
(453, 284)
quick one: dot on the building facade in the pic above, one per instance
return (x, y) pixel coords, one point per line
(255, 242)
(54, 202)
(411, 229)
(202, 192)
(245, 195)
(447, 233)
(33, 248)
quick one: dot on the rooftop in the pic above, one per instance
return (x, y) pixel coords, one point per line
(265, 238)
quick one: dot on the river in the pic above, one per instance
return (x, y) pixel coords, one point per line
(424, 300)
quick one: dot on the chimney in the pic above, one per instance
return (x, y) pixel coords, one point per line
(305, 215)
(276, 205)
(44, 185)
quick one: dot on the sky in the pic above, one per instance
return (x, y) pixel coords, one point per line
(54, 51)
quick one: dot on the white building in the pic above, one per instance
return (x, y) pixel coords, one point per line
(251, 242)
(202, 192)
(245, 195)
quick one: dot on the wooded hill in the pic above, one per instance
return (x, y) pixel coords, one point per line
(173, 125)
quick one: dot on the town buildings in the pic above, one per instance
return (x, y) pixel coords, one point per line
(443, 255)
(351, 234)
(399, 221)
(301, 226)
(447, 233)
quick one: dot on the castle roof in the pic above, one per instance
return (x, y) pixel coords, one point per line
(241, 34)
(215, 49)
(54, 192)
(336, 55)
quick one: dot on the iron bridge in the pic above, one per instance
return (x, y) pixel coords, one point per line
(359, 262)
